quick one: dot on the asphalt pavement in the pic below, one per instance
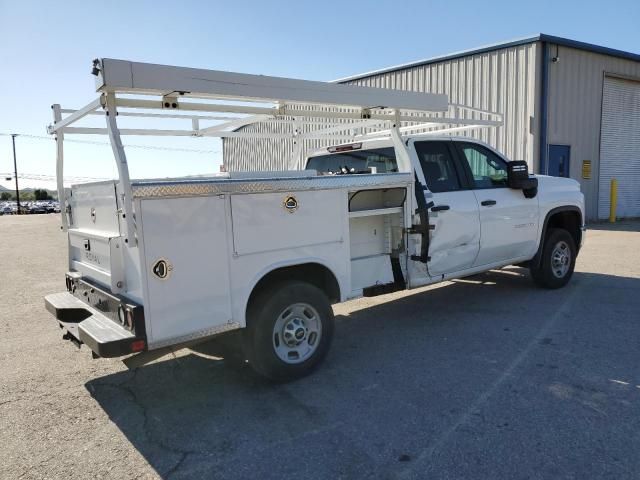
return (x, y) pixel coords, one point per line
(487, 377)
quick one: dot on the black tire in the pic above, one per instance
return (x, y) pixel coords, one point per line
(259, 337)
(544, 273)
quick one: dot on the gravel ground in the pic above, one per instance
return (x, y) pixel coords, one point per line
(486, 377)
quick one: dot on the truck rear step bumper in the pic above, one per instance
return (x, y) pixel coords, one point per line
(84, 324)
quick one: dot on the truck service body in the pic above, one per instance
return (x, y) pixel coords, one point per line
(397, 202)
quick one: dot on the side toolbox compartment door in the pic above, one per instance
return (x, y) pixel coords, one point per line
(185, 250)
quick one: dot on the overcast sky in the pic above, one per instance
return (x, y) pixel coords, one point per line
(46, 50)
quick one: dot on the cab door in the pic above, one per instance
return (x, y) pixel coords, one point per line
(508, 220)
(455, 234)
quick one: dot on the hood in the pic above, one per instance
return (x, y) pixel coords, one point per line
(549, 183)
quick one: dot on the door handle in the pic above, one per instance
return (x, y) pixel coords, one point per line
(487, 203)
(440, 208)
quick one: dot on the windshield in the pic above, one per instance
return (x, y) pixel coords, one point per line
(378, 160)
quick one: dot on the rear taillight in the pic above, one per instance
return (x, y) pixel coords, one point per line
(137, 346)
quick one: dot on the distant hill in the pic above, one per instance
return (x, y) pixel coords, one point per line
(5, 189)
(26, 194)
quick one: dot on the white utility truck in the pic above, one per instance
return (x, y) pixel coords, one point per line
(396, 202)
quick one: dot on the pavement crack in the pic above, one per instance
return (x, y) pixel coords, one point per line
(177, 466)
(148, 432)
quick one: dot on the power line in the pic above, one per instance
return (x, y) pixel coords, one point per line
(43, 177)
(92, 142)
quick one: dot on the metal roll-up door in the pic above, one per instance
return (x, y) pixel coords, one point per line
(620, 147)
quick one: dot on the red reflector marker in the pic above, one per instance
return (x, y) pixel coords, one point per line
(137, 346)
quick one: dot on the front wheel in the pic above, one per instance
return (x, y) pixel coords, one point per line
(555, 268)
(289, 330)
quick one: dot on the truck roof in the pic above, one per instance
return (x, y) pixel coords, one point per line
(387, 142)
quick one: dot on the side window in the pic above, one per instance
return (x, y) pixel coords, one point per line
(487, 168)
(355, 161)
(437, 166)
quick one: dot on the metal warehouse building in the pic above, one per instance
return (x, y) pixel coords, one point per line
(570, 109)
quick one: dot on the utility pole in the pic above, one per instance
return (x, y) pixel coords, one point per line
(15, 170)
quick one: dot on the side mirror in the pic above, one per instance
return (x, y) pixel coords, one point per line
(518, 178)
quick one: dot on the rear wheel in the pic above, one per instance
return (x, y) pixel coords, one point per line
(289, 330)
(555, 268)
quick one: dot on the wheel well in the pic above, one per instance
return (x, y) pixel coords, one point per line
(569, 220)
(313, 273)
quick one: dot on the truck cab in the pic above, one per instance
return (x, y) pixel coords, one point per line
(479, 218)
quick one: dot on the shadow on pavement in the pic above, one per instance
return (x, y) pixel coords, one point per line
(399, 374)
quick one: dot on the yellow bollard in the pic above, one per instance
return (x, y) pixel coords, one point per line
(613, 201)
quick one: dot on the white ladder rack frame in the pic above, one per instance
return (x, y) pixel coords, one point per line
(249, 99)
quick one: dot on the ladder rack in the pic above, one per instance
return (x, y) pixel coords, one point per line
(327, 111)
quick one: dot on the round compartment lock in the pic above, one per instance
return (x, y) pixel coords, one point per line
(162, 269)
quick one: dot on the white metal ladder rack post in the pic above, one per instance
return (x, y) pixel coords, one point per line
(336, 111)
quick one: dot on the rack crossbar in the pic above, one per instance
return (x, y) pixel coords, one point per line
(308, 110)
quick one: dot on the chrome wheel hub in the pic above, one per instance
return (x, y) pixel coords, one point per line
(560, 259)
(296, 333)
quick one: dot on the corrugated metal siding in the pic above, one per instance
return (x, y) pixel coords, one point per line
(241, 154)
(501, 80)
(575, 109)
(620, 146)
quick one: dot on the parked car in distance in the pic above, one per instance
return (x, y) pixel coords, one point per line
(34, 207)
(37, 207)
